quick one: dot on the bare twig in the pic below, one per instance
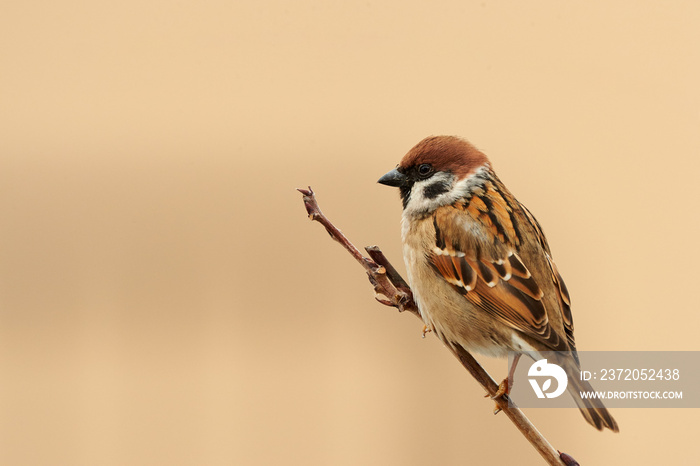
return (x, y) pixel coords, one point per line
(392, 290)
(386, 292)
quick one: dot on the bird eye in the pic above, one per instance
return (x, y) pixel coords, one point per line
(425, 169)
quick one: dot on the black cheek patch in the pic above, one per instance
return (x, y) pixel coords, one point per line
(434, 190)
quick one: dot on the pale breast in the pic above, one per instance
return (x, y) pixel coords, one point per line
(449, 314)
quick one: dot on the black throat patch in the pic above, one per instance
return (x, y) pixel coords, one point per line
(405, 194)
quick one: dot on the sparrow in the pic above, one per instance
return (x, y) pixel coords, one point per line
(479, 265)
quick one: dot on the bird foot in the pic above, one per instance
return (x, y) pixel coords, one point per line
(503, 390)
(426, 330)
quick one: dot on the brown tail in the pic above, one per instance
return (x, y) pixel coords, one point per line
(592, 409)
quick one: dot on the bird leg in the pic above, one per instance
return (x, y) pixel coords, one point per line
(507, 384)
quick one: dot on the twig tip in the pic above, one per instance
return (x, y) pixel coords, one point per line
(567, 459)
(306, 192)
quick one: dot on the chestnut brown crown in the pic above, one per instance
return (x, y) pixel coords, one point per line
(445, 153)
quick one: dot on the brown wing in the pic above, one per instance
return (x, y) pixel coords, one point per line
(476, 251)
(564, 305)
(561, 292)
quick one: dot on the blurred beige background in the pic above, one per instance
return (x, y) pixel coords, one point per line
(164, 299)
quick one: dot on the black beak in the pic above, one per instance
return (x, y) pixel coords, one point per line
(394, 178)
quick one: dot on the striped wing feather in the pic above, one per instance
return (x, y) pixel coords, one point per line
(492, 275)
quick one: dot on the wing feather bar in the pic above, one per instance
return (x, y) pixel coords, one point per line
(466, 271)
